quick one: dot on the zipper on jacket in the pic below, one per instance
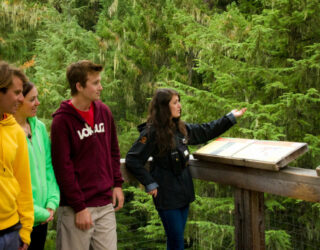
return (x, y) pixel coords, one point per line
(37, 167)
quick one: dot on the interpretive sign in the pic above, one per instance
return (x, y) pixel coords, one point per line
(269, 155)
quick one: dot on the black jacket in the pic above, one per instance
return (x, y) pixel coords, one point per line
(170, 173)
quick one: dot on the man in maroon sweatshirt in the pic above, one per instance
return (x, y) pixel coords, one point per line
(86, 161)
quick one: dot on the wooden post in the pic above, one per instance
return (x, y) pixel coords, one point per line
(249, 220)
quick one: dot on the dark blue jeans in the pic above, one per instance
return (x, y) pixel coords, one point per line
(174, 222)
(10, 241)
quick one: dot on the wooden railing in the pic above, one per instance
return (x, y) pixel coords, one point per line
(250, 185)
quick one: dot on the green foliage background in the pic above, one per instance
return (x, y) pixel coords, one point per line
(219, 54)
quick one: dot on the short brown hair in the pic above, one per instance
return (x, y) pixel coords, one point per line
(6, 74)
(78, 72)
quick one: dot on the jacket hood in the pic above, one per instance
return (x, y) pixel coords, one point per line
(141, 127)
(66, 108)
(33, 122)
(147, 127)
(9, 121)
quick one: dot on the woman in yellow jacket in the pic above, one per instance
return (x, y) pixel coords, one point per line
(45, 189)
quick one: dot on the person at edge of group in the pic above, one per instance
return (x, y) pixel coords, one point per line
(16, 206)
(45, 190)
(165, 137)
(86, 161)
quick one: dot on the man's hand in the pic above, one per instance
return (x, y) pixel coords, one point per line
(238, 113)
(154, 192)
(24, 246)
(117, 195)
(83, 219)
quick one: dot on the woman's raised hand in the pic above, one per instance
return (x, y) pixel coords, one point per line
(238, 113)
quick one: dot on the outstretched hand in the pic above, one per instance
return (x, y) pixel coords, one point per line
(238, 113)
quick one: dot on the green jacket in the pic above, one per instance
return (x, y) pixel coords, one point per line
(45, 189)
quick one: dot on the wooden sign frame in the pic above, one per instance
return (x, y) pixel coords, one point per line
(269, 155)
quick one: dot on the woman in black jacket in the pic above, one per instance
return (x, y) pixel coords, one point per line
(165, 137)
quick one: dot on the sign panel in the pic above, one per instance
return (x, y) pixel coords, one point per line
(270, 155)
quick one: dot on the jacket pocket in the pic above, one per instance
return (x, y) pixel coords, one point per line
(9, 191)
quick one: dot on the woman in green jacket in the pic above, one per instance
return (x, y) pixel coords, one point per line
(45, 190)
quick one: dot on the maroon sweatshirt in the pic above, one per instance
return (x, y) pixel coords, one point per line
(86, 161)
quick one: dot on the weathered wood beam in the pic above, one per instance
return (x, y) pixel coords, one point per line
(298, 183)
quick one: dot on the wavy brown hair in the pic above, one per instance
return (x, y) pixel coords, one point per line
(160, 119)
(7, 72)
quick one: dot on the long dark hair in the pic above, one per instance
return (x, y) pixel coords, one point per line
(160, 119)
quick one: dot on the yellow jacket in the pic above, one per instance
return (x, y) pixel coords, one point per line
(16, 202)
